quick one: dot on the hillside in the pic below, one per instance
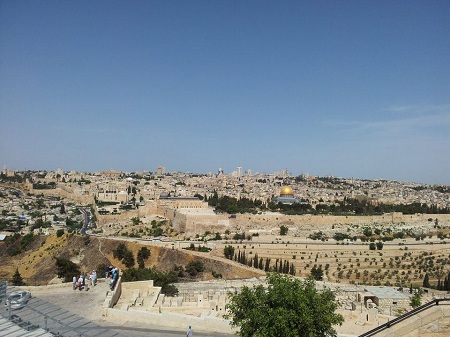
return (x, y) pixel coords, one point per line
(37, 265)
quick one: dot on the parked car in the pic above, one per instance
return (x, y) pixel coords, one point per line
(18, 299)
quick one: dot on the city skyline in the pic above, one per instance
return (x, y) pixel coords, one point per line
(348, 89)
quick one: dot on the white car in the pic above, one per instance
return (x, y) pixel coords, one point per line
(17, 299)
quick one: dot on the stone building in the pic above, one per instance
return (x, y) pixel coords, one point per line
(387, 300)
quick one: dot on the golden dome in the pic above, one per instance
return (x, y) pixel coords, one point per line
(286, 190)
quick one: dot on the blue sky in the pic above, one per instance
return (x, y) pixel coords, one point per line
(346, 88)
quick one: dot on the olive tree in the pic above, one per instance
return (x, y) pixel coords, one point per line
(289, 307)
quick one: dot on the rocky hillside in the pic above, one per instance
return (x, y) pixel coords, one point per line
(37, 265)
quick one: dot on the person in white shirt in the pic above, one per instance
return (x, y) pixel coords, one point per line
(93, 278)
(190, 332)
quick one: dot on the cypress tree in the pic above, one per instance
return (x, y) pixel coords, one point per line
(255, 261)
(426, 281)
(17, 279)
(292, 269)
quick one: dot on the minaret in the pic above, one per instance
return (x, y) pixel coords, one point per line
(5, 171)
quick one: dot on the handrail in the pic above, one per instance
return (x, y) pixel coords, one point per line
(403, 317)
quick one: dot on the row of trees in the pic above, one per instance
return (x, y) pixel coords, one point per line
(441, 284)
(232, 205)
(283, 267)
(347, 206)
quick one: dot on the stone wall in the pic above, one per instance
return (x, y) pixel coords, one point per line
(67, 193)
(197, 224)
(435, 319)
(170, 320)
(112, 297)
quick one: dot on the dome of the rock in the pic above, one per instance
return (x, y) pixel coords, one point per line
(286, 190)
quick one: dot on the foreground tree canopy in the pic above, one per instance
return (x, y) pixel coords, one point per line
(289, 307)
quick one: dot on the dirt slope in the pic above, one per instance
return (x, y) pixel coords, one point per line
(37, 264)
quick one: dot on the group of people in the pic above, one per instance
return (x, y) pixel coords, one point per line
(82, 281)
(113, 274)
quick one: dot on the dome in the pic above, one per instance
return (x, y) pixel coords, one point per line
(286, 190)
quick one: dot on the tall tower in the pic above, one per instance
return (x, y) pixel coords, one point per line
(239, 171)
(161, 170)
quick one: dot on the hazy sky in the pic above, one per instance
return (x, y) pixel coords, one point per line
(346, 88)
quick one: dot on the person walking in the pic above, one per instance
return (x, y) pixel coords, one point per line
(190, 332)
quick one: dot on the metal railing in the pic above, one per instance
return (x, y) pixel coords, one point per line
(407, 315)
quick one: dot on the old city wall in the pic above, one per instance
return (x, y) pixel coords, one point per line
(67, 193)
(200, 223)
(299, 220)
(116, 218)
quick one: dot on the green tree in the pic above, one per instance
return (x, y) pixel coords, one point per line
(194, 267)
(367, 231)
(317, 273)
(426, 281)
(289, 307)
(283, 230)
(228, 251)
(128, 259)
(59, 233)
(416, 299)
(143, 254)
(119, 252)
(66, 269)
(17, 279)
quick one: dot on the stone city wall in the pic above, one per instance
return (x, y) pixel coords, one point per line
(66, 193)
(198, 224)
